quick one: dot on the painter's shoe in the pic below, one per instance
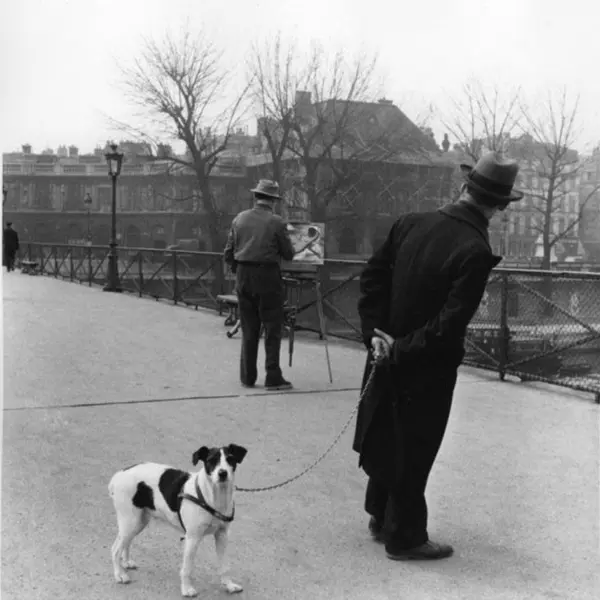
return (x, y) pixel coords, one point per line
(278, 384)
(427, 551)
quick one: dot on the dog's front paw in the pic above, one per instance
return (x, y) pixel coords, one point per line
(129, 564)
(232, 588)
(188, 591)
(122, 577)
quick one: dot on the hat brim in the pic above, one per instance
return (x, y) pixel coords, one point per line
(262, 193)
(514, 196)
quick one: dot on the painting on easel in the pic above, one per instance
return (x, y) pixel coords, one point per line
(309, 242)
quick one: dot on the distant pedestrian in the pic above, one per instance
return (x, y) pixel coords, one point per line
(10, 245)
(419, 292)
(257, 242)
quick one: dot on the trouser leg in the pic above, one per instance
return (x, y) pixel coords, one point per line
(271, 315)
(376, 499)
(250, 325)
(426, 414)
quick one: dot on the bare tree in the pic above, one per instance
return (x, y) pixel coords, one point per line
(483, 120)
(274, 79)
(308, 110)
(178, 84)
(548, 148)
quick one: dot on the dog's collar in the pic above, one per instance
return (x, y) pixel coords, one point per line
(200, 501)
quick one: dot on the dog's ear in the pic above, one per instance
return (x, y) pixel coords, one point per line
(199, 455)
(238, 452)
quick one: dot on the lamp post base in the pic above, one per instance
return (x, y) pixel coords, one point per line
(112, 281)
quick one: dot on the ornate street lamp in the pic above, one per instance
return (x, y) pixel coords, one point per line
(88, 202)
(114, 160)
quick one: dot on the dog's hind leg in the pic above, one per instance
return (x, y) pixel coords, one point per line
(116, 550)
(143, 522)
(130, 523)
(221, 548)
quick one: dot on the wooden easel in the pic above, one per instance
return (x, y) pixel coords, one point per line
(307, 273)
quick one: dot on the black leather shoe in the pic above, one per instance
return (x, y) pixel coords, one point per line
(280, 384)
(376, 530)
(427, 551)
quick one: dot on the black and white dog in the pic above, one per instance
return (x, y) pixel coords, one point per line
(198, 504)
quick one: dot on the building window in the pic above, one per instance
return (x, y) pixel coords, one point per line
(535, 224)
(575, 202)
(104, 198)
(123, 198)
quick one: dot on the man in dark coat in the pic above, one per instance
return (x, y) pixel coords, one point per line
(10, 245)
(257, 242)
(419, 292)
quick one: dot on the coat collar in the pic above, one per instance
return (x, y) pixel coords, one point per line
(462, 211)
(263, 205)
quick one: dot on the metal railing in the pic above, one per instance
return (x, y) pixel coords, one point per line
(184, 277)
(536, 325)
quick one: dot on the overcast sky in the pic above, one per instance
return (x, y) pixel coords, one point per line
(57, 57)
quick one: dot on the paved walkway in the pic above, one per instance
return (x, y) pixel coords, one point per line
(95, 381)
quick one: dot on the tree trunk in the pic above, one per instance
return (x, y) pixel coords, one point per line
(318, 210)
(210, 210)
(547, 246)
(277, 172)
(217, 244)
(318, 214)
(547, 283)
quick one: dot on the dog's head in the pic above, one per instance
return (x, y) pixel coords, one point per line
(220, 463)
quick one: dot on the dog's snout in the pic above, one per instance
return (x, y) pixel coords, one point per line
(222, 475)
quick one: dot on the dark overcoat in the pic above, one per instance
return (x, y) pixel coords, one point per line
(10, 240)
(10, 245)
(422, 287)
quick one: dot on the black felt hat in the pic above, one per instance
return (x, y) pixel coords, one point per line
(493, 177)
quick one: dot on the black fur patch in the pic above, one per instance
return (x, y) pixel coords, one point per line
(212, 460)
(170, 484)
(144, 497)
(234, 454)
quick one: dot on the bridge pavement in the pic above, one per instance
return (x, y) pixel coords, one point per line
(95, 381)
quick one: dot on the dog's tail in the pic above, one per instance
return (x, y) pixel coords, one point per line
(111, 484)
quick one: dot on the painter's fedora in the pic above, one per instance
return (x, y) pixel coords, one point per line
(493, 177)
(268, 188)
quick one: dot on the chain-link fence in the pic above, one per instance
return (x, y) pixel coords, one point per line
(540, 325)
(537, 325)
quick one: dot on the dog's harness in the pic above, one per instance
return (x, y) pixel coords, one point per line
(200, 501)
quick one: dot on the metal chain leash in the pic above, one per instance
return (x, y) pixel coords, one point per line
(335, 441)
